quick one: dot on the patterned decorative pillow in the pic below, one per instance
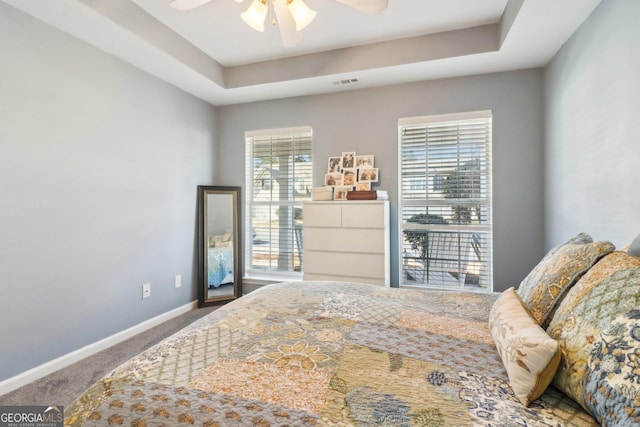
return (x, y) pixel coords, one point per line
(597, 326)
(634, 247)
(547, 283)
(529, 355)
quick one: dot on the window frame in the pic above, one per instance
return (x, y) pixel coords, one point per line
(251, 273)
(458, 228)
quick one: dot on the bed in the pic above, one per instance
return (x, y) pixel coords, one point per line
(330, 354)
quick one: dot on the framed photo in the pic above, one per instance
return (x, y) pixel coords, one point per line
(348, 159)
(333, 179)
(349, 176)
(370, 175)
(340, 192)
(363, 186)
(364, 162)
(334, 165)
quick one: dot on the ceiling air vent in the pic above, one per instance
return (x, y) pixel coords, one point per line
(345, 82)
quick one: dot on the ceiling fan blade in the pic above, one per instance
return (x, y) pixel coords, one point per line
(186, 4)
(286, 25)
(373, 7)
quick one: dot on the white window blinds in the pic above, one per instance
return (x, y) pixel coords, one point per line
(278, 179)
(445, 201)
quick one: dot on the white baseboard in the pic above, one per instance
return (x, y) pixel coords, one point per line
(68, 359)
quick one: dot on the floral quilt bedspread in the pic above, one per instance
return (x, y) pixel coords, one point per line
(326, 354)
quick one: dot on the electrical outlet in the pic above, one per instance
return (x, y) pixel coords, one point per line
(146, 290)
(178, 281)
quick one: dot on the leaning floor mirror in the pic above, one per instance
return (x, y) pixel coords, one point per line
(219, 275)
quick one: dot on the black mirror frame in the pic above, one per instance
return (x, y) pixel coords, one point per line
(203, 191)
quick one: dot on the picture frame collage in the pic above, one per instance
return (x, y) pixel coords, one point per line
(350, 172)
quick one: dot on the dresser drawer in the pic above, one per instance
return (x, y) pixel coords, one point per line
(363, 215)
(343, 240)
(323, 215)
(341, 264)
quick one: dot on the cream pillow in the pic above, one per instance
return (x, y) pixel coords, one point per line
(529, 355)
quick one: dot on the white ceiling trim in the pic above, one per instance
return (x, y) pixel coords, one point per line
(528, 36)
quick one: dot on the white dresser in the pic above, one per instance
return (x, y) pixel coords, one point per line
(347, 241)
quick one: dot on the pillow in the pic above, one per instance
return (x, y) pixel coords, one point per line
(546, 284)
(218, 239)
(597, 326)
(634, 247)
(529, 355)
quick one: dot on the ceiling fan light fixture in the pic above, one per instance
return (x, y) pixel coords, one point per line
(255, 15)
(291, 16)
(302, 14)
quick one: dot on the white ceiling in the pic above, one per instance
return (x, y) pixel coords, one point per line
(211, 53)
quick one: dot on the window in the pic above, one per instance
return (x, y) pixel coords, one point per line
(446, 224)
(278, 179)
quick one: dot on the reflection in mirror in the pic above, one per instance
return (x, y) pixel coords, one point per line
(219, 245)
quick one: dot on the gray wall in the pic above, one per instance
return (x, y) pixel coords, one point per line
(99, 168)
(592, 129)
(366, 121)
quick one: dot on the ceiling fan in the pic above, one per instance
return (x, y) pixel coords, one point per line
(291, 15)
